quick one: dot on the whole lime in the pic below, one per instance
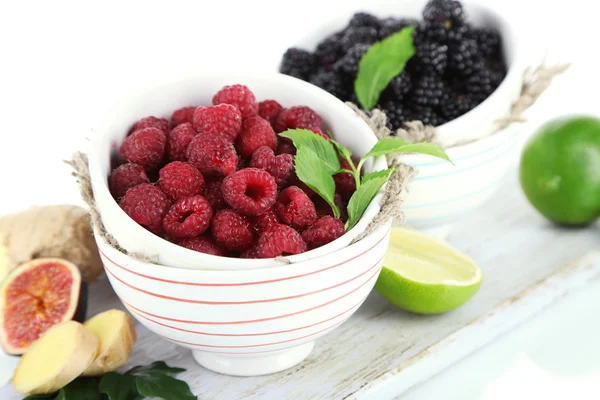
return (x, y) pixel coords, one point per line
(560, 170)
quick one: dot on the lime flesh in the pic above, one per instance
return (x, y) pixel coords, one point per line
(426, 276)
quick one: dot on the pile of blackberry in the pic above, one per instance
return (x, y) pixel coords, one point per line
(455, 67)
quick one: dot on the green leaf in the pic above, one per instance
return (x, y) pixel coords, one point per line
(309, 170)
(81, 389)
(164, 387)
(156, 367)
(361, 199)
(385, 174)
(324, 150)
(41, 396)
(394, 145)
(119, 387)
(380, 64)
(343, 150)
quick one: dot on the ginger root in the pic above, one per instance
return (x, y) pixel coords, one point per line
(62, 231)
(117, 335)
(58, 357)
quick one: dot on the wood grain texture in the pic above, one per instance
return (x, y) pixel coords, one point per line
(516, 249)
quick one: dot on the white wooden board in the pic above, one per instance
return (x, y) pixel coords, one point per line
(382, 351)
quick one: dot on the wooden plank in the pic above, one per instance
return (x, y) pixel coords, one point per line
(372, 355)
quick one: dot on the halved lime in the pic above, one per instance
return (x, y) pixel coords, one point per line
(425, 275)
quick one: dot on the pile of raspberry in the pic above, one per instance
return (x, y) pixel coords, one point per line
(219, 180)
(456, 65)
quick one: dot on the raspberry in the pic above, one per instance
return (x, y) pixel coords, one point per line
(280, 167)
(213, 195)
(151, 122)
(295, 208)
(269, 110)
(279, 240)
(124, 177)
(182, 116)
(250, 253)
(178, 140)
(324, 231)
(286, 146)
(250, 191)
(222, 119)
(319, 132)
(147, 205)
(237, 95)
(323, 208)
(295, 181)
(213, 155)
(180, 179)
(344, 182)
(203, 244)
(256, 132)
(232, 230)
(145, 147)
(264, 220)
(188, 217)
(297, 117)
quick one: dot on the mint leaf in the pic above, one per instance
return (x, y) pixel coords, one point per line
(380, 64)
(164, 387)
(385, 174)
(394, 145)
(361, 199)
(322, 148)
(81, 389)
(156, 367)
(309, 170)
(119, 387)
(343, 150)
(41, 396)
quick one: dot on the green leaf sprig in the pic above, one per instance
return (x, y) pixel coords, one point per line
(151, 381)
(317, 160)
(380, 64)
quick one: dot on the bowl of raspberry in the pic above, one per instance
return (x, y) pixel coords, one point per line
(466, 71)
(222, 249)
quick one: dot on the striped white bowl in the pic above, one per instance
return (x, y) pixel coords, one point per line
(248, 322)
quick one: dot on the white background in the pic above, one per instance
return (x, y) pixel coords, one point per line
(63, 61)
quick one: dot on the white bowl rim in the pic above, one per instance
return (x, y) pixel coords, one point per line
(247, 264)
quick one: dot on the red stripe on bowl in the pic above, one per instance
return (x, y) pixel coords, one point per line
(242, 283)
(229, 303)
(255, 320)
(248, 334)
(257, 345)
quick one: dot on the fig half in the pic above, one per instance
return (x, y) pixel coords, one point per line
(36, 296)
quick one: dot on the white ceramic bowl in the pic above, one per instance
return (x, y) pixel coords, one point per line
(442, 193)
(249, 322)
(160, 99)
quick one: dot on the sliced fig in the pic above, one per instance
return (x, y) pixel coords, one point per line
(36, 296)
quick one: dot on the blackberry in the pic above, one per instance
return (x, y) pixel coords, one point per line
(298, 63)
(465, 57)
(429, 57)
(334, 83)
(444, 13)
(427, 115)
(329, 50)
(401, 85)
(483, 82)
(396, 115)
(488, 41)
(349, 62)
(429, 90)
(390, 26)
(458, 104)
(439, 34)
(364, 19)
(354, 36)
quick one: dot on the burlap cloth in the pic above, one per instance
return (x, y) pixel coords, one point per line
(535, 82)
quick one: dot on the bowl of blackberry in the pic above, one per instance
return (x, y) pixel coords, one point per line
(463, 75)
